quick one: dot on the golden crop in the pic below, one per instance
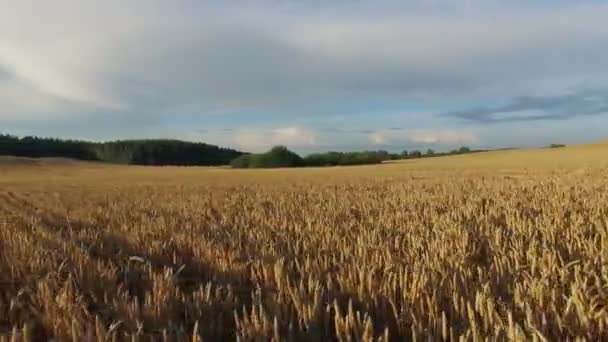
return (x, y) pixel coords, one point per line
(506, 245)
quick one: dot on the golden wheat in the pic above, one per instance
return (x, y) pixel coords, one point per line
(510, 245)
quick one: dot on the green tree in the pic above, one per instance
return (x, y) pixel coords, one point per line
(278, 156)
(142, 152)
(415, 154)
(241, 162)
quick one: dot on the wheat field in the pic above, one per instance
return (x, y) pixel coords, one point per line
(509, 245)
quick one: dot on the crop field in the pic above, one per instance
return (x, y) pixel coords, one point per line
(499, 245)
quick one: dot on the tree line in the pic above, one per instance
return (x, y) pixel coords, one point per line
(280, 156)
(176, 152)
(138, 152)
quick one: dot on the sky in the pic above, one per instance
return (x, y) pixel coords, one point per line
(312, 75)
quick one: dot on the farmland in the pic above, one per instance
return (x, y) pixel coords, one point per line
(497, 245)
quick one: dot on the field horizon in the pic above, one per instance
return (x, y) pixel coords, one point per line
(500, 245)
(567, 157)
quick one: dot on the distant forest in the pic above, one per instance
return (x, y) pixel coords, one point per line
(137, 152)
(176, 152)
(280, 156)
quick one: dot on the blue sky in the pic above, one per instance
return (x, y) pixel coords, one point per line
(312, 75)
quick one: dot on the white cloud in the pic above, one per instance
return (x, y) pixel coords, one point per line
(447, 137)
(377, 138)
(156, 58)
(257, 140)
(293, 135)
(405, 137)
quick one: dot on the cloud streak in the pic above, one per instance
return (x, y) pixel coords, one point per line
(531, 108)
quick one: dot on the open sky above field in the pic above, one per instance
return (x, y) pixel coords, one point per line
(313, 75)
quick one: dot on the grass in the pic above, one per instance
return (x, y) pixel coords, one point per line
(498, 245)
